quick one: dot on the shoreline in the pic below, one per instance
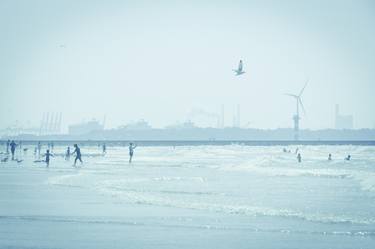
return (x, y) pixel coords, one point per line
(200, 142)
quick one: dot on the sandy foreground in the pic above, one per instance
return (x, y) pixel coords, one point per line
(35, 214)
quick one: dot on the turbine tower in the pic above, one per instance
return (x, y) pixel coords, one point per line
(297, 117)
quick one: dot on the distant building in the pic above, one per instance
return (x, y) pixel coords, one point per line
(342, 121)
(186, 125)
(15, 130)
(139, 125)
(85, 128)
(50, 124)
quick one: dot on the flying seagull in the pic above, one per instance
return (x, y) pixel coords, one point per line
(239, 71)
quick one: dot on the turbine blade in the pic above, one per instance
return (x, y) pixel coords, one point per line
(303, 88)
(292, 95)
(303, 108)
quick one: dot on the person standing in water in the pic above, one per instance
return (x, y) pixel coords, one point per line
(39, 149)
(13, 146)
(67, 154)
(131, 151)
(299, 158)
(348, 158)
(8, 144)
(104, 148)
(77, 151)
(47, 155)
(329, 157)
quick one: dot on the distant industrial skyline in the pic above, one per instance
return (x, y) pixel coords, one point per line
(132, 60)
(51, 123)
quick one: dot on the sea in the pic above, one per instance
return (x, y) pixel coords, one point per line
(251, 188)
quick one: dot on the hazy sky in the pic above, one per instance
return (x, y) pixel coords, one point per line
(157, 60)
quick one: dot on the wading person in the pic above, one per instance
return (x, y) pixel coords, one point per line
(131, 151)
(77, 151)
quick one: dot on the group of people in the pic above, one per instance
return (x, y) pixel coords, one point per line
(299, 157)
(77, 152)
(47, 156)
(11, 146)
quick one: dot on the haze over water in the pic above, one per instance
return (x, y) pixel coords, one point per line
(167, 62)
(141, 59)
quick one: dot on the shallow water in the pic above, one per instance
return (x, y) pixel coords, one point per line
(250, 188)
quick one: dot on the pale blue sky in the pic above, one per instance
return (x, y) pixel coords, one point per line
(157, 61)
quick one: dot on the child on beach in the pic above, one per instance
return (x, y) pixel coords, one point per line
(13, 146)
(67, 154)
(47, 155)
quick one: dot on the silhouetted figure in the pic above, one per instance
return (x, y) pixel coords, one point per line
(348, 158)
(39, 148)
(284, 150)
(131, 151)
(77, 151)
(104, 149)
(13, 146)
(329, 157)
(299, 158)
(67, 154)
(47, 155)
(8, 144)
(239, 70)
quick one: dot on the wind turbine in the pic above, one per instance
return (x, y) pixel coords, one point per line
(296, 117)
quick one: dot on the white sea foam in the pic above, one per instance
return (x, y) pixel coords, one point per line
(71, 180)
(290, 171)
(367, 181)
(229, 179)
(149, 198)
